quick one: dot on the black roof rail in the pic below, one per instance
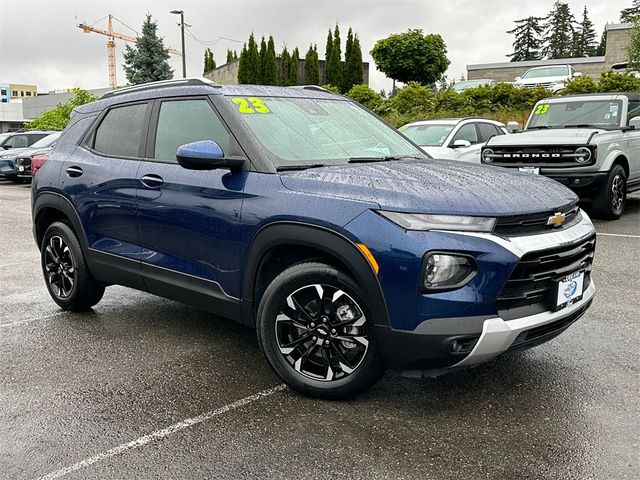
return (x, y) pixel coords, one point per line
(311, 87)
(164, 83)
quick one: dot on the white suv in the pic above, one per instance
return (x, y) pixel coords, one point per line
(453, 138)
(590, 143)
(552, 77)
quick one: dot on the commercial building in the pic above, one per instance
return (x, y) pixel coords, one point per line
(33, 107)
(617, 41)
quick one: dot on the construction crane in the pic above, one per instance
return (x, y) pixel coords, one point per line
(111, 45)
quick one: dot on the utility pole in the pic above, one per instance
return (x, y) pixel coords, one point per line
(184, 58)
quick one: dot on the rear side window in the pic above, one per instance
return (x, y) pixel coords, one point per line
(487, 130)
(18, 141)
(121, 131)
(467, 132)
(186, 121)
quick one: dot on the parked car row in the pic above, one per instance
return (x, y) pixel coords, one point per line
(15, 161)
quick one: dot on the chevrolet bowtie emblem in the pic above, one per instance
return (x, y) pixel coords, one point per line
(557, 220)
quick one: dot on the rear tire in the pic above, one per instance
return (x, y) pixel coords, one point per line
(65, 271)
(609, 202)
(316, 331)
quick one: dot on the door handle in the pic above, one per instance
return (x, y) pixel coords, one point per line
(152, 181)
(74, 171)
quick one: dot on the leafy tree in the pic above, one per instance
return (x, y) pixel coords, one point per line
(628, 15)
(559, 31)
(263, 62)
(147, 60)
(333, 65)
(58, 117)
(353, 74)
(633, 47)
(601, 49)
(209, 62)
(270, 67)
(285, 60)
(311, 66)
(293, 67)
(528, 41)
(412, 56)
(585, 37)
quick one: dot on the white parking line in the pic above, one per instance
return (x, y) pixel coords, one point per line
(159, 434)
(618, 235)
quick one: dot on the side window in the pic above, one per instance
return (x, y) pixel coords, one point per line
(634, 110)
(18, 141)
(186, 121)
(487, 130)
(467, 132)
(121, 131)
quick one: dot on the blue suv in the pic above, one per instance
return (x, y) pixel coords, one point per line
(299, 213)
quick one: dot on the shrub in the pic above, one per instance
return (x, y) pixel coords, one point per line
(413, 98)
(618, 82)
(580, 85)
(365, 96)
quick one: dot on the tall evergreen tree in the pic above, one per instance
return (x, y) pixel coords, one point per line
(628, 15)
(209, 62)
(353, 58)
(311, 67)
(253, 61)
(333, 66)
(147, 60)
(559, 31)
(243, 65)
(263, 61)
(235, 55)
(293, 67)
(528, 41)
(229, 56)
(327, 49)
(602, 46)
(270, 67)
(285, 60)
(585, 37)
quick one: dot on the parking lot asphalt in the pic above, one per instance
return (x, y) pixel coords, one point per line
(148, 388)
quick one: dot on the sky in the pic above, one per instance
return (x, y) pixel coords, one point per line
(41, 44)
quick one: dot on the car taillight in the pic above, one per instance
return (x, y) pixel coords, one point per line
(37, 162)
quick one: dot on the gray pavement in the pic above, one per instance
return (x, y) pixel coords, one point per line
(91, 395)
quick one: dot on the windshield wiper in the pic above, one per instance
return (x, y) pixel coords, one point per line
(581, 125)
(299, 166)
(387, 158)
(539, 127)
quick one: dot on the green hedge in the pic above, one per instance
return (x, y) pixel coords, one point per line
(503, 101)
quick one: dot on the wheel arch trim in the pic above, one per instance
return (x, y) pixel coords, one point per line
(336, 245)
(58, 202)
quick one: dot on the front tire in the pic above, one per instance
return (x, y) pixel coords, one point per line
(610, 201)
(66, 275)
(317, 333)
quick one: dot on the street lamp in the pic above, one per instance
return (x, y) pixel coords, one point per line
(184, 58)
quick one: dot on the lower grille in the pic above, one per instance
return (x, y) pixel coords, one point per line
(532, 285)
(538, 335)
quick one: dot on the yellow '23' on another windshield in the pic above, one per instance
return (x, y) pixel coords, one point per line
(250, 105)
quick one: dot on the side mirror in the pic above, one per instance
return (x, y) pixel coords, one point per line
(517, 78)
(461, 144)
(635, 123)
(6, 147)
(577, 74)
(205, 155)
(513, 127)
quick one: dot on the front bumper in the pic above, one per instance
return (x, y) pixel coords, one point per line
(440, 344)
(7, 168)
(583, 184)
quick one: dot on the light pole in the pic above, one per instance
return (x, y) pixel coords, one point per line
(184, 58)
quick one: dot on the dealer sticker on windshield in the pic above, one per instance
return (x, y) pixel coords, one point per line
(531, 170)
(570, 290)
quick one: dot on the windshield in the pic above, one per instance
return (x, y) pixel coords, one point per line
(561, 71)
(307, 131)
(597, 113)
(47, 141)
(3, 137)
(460, 86)
(428, 135)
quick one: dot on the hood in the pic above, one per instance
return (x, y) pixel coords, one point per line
(435, 186)
(536, 81)
(12, 152)
(444, 153)
(557, 136)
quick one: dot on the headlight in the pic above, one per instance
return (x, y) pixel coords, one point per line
(444, 271)
(583, 155)
(422, 221)
(487, 155)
